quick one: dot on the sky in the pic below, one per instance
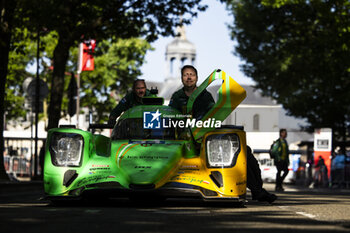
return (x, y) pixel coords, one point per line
(211, 37)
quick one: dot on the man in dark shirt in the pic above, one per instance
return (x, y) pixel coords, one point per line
(130, 100)
(179, 99)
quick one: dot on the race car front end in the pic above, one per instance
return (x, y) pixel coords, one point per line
(78, 162)
(154, 150)
(218, 173)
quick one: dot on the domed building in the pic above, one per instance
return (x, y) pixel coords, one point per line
(179, 52)
(261, 117)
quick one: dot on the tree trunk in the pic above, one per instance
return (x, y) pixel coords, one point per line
(7, 14)
(60, 58)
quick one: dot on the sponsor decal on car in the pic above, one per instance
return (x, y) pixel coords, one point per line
(146, 157)
(99, 165)
(143, 167)
(189, 167)
(189, 179)
(91, 179)
(99, 168)
(241, 182)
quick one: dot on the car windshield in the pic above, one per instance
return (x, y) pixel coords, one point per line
(132, 128)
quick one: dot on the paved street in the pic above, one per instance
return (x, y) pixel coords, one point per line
(296, 210)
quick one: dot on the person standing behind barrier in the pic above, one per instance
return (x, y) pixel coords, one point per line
(280, 152)
(321, 174)
(338, 168)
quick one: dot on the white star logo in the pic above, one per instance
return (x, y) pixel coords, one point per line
(155, 115)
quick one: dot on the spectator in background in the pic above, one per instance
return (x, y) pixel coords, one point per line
(321, 173)
(280, 153)
(338, 168)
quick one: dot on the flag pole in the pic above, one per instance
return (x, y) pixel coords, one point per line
(78, 99)
(80, 64)
(85, 62)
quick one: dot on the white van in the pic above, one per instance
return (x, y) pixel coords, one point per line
(268, 168)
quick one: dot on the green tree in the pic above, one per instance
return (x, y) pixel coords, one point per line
(20, 56)
(297, 52)
(75, 20)
(6, 26)
(116, 66)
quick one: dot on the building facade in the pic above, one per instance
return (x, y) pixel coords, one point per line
(261, 116)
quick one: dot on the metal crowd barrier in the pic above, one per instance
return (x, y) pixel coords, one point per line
(19, 157)
(17, 166)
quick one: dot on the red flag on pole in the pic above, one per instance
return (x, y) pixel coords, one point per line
(86, 58)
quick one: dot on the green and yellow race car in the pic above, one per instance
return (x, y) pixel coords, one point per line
(154, 151)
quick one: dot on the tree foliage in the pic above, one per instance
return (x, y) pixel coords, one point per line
(116, 66)
(75, 20)
(6, 26)
(19, 57)
(22, 59)
(298, 52)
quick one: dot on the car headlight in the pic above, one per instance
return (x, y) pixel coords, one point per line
(66, 149)
(222, 150)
